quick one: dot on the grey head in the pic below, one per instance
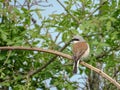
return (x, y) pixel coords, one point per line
(77, 38)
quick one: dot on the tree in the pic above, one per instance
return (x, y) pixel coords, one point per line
(97, 21)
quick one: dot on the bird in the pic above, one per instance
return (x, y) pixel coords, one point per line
(80, 51)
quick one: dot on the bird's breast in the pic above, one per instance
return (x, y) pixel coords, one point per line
(86, 52)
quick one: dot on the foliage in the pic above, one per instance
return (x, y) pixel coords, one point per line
(22, 24)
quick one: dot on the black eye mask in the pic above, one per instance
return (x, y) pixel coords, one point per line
(74, 39)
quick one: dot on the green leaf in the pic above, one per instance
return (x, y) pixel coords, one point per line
(16, 10)
(108, 25)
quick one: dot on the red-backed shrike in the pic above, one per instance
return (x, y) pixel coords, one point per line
(80, 50)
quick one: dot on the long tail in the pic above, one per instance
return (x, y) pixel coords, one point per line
(75, 66)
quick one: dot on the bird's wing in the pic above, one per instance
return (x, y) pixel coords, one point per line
(79, 49)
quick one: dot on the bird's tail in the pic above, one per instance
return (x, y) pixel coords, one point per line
(75, 66)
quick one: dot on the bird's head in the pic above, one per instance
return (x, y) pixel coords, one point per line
(77, 38)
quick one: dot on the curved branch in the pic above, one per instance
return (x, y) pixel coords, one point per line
(68, 57)
(37, 49)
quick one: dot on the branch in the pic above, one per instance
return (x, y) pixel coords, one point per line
(107, 52)
(76, 19)
(36, 49)
(57, 36)
(31, 73)
(95, 10)
(65, 56)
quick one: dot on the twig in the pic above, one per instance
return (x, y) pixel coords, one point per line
(95, 10)
(57, 37)
(65, 56)
(106, 53)
(76, 19)
(9, 53)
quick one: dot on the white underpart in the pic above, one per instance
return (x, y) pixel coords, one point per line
(86, 53)
(76, 41)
